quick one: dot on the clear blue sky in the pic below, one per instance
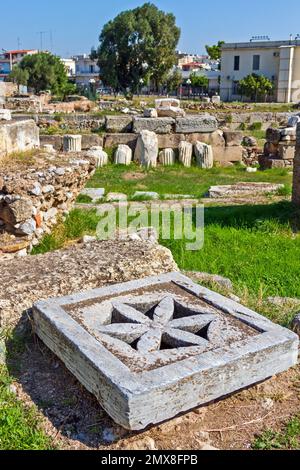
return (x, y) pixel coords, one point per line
(76, 24)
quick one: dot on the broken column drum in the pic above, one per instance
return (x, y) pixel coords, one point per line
(72, 143)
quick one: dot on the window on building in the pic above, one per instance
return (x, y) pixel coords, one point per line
(92, 69)
(237, 62)
(256, 62)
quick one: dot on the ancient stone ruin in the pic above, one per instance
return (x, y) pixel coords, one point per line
(33, 196)
(154, 348)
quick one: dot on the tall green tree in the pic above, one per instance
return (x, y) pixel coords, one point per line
(137, 46)
(18, 76)
(256, 86)
(215, 51)
(174, 80)
(46, 72)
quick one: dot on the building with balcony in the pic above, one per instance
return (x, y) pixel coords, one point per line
(8, 59)
(86, 70)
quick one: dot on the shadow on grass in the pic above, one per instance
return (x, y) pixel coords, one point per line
(283, 213)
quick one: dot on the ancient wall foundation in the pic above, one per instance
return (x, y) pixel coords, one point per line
(34, 193)
(296, 183)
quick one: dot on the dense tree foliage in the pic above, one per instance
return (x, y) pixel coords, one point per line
(45, 71)
(18, 76)
(215, 51)
(137, 46)
(199, 81)
(174, 80)
(255, 86)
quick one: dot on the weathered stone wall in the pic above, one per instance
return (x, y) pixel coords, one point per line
(279, 150)
(16, 136)
(296, 184)
(78, 268)
(88, 141)
(34, 194)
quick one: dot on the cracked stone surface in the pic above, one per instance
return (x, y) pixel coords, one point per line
(154, 348)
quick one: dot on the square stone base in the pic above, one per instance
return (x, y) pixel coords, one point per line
(152, 349)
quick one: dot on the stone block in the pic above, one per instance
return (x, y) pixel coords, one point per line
(233, 138)
(91, 140)
(55, 140)
(286, 152)
(162, 125)
(228, 154)
(169, 140)
(150, 113)
(204, 155)
(18, 136)
(118, 124)
(113, 140)
(201, 123)
(267, 163)
(167, 102)
(243, 189)
(152, 349)
(94, 193)
(146, 151)
(215, 139)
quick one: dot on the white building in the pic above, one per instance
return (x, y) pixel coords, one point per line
(70, 66)
(87, 70)
(277, 60)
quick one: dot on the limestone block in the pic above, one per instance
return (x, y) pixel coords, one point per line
(118, 124)
(72, 143)
(169, 140)
(55, 140)
(48, 148)
(286, 152)
(91, 140)
(159, 125)
(228, 154)
(99, 155)
(167, 157)
(167, 102)
(18, 136)
(113, 140)
(186, 154)
(150, 113)
(146, 151)
(94, 193)
(123, 155)
(171, 111)
(136, 345)
(200, 123)
(204, 155)
(215, 139)
(243, 189)
(233, 138)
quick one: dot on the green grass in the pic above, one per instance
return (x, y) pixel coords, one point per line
(287, 439)
(178, 180)
(254, 246)
(20, 427)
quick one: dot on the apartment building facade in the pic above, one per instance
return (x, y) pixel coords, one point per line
(277, 60)
(8, 59)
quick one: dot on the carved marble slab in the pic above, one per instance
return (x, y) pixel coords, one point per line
(154, 348)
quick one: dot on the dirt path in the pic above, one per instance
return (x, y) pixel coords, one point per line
(74, 419)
